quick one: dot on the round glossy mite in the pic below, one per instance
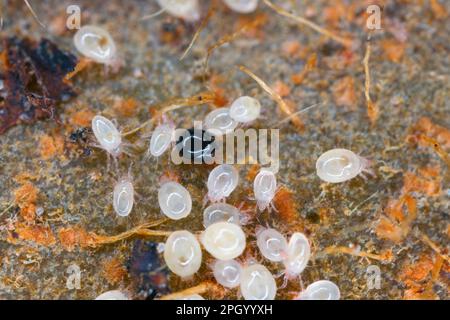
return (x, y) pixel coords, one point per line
(182, 253)
(112, 295)
(321, 290)
(264, 187)
(161, 138)
(242, 6)
(174, 200)
(227, 273)
(123, 198)
(196, 145)
(95, 43)
(188, 10)
(107, 135)
(245, 109)
(220, 212)
(219, 121)
(222, 180)
(223, 240)
(272, 244)
(257, 283)
(339, 165)
(297, 254)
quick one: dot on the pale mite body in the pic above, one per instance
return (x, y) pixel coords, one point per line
(222, 180)
(339, 165)
(227, 273)
(321, 290)
(162, 137)
(272, 244)
(245, 109)
(112, 295)
(123, 197)
(242, 6)
(219, 122)
(264, 188)
(257, 283)
(297, 255)
(174, 200)
(188, 10)
(96, 44)
(220, 212)
(223, 240)
(182, 253)
(107, 135)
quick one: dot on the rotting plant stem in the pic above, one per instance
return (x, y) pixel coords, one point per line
(204, 287)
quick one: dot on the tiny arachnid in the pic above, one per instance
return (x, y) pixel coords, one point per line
(227, 273)
(224, 240)
(108, 136)
(222, 180)
(188, 10)
(196, 146)
(242, 6)
(264, 188)
(219, 122)
(320, 290)
(161, 138)
(221, 212)
(182, 253)
(97, 44)
(174, 200)
(123, 198)
(245, 109)
(272, 244)
(257, 283)
(339, 165)
(113, 295)
(298, 253)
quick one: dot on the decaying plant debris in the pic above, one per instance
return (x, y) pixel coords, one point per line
(387, 100)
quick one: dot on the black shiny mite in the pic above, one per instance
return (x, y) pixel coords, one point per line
(196, 145)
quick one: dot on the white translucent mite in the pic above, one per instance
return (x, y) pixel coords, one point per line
(339, 165)
(123, 197)
(112, 295)
(96, 43)
(223, 240)
(174, 200)
(242, 6)
(107, 135)
(257, 283)
(227, 273)
(188, 10)
(272, 244)
(297, 255)
(222, 180)
(245, 109)
(264, 187)
(182, 253)
(321, 290)
(219, 122)
(162, 137)
(220, 212)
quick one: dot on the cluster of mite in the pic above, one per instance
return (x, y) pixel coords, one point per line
(223, 237)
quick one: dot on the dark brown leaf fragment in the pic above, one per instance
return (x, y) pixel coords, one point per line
(32, 81)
